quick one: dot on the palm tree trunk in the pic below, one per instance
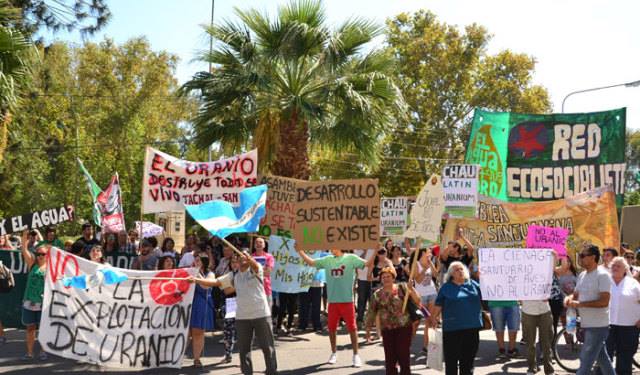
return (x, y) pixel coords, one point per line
(5, 120)
(293, 159)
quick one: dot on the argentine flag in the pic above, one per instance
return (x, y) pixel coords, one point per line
(221, 219)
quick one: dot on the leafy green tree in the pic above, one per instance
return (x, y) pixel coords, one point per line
(632, 197)
(290, 86)
(17, 54)
(102, 103)
(443, 74)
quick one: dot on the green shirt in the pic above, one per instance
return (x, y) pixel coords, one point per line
(55, 243)
(35, 285)
(340, 273)
(502, 303)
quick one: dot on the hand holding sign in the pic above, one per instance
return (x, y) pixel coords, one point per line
(548, 238)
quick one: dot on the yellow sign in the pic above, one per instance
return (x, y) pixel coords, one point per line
(590, 217)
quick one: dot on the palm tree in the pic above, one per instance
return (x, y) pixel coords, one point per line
(16, 55)
(290, 86)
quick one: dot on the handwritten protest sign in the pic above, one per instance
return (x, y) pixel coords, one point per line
(280, 218)
(35, 220)
(393, 215)
(460, 185)
(508, 274)
(169, 182)
(290, 273)
(548, 238)
(343, 214)
(133, 324)
(590, 217)
(426, 214)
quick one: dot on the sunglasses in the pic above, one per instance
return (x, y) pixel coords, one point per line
(41, 254)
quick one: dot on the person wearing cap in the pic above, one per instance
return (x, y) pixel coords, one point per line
(340, 274)
(395, 323)
(591, 299)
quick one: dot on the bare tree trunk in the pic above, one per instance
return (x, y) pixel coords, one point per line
(293, 157)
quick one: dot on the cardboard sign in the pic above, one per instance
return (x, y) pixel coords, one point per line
(548, 238)
(394, 215)
(515, 274)
(460, 185)
(35, 220)
(290, 273)
(590, 218)
(135, 324)
(280, 218)
(343, 214)
(629, 228)
(169, 182)
(426, 214)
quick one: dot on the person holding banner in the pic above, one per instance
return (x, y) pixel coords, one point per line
(425, 286)
(253, 313)
(95, 255)
(459, 302)
(396, 326)
(455, 253)
(33, 293)
(202, 310)
(83, 244)
(340, 273)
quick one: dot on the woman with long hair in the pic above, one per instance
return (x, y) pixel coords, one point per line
(110, 244)
(565, 277)
(33, 293)
(95, 255)
(202, 308)
(399, 263)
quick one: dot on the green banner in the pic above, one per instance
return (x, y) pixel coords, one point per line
(526, 157)
(11, 303)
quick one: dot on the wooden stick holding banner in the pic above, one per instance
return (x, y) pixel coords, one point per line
(412, 273)
(231, 246)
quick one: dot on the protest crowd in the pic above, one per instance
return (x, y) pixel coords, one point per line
(285, 256)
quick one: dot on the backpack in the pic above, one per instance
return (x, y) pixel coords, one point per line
(7, 282)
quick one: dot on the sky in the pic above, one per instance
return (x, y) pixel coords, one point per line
(578, 44)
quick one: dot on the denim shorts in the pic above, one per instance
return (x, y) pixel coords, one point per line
(30, 317)
(508, 317)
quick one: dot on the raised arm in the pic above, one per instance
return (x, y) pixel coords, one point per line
(307, 259)
(464, 239)
(24, 249)
(206, 282)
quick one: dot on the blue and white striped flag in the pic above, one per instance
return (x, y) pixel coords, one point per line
(221, 219)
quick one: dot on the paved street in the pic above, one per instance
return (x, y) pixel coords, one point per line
(301, 354)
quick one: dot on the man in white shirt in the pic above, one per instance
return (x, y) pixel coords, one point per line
(591, 298)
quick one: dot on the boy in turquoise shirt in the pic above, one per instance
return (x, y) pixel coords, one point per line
(340, 272)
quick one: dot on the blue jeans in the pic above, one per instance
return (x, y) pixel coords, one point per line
(594, 350)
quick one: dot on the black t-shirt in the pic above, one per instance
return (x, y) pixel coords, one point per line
(465, 259)
(401, 274)
(82, 246)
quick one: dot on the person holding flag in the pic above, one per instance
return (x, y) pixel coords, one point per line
(340, 274)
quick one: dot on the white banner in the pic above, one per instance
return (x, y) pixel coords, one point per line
(460, 185)
(169, 182)
(393, 215)
(510, 274)
(134, 324)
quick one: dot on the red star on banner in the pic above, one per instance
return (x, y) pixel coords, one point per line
(527, 141)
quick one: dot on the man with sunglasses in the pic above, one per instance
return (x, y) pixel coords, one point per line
(591, 298)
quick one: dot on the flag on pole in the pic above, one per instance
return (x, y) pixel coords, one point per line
(221, 219)
(110, 203)
(95, 190)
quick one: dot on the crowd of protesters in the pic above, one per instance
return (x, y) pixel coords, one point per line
(368, 290)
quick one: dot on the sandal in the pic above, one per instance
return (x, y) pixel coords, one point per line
(197, 363)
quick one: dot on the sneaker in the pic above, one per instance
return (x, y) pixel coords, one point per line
(333, 359)
(513, 353)
(501, 354)
(227, 359)
(424, 350)
(357, 362)
(42, 356)
(27, 357)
